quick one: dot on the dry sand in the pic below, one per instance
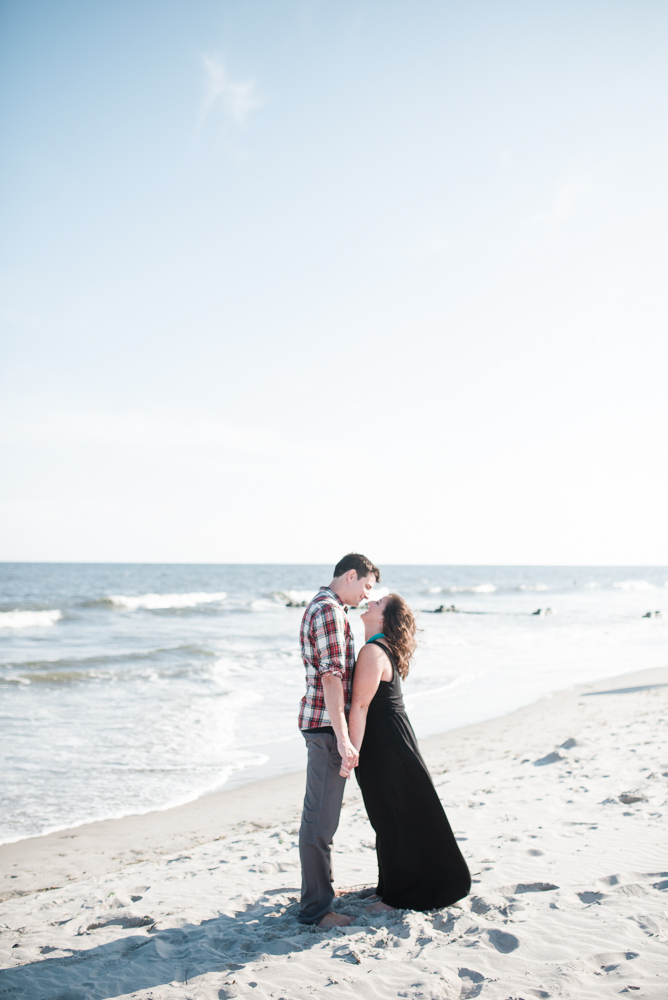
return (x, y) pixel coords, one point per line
(559, 808)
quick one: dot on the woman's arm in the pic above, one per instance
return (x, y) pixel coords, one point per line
(368, 673)
(332, 690)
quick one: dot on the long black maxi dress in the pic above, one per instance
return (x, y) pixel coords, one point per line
(420, 866)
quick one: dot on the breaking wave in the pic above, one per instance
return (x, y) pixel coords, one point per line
(294, 598)
(300, 598)
(634, 585)
(82, 666)
(162, 602)
(481, 588)
(376, 594)
(29, 619)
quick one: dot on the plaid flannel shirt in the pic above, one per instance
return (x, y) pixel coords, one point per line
(327, 648)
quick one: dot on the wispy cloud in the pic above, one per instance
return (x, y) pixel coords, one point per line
(236, 98)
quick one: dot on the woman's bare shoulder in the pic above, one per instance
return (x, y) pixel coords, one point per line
(370, 654)
(374, 660)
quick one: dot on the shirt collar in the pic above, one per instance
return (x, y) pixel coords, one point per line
(336, 597)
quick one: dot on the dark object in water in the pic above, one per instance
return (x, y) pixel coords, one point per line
(453, 610)
(652, 614)
(542, 611)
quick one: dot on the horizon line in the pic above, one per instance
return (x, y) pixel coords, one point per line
(105, 562)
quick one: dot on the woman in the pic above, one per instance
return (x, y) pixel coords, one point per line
(420, 866)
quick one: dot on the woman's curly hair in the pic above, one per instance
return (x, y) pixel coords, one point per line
(399, 629)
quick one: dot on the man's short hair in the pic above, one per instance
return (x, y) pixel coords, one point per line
(361, 565)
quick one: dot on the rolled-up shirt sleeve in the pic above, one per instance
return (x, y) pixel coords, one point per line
(329, 638)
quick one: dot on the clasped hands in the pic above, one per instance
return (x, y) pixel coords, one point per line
(349, 758)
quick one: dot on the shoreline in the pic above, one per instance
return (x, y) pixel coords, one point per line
(266, 771)
(559, 808)
(51, 860)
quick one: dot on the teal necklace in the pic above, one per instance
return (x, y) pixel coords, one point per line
(378, 635)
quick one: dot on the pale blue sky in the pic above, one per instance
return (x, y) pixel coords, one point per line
(283, 279)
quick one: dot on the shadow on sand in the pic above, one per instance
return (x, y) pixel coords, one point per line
(631, 690)
(154, 958)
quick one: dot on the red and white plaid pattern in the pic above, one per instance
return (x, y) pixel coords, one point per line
(327, 648)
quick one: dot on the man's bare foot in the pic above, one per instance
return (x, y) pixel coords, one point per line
(379, 907)
(334, 920)
(341, 892)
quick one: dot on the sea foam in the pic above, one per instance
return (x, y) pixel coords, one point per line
(162, 602)
(138, 709)
(294, 598)
(300, 598)
(29, 619)
(481, 588)
(634, 585)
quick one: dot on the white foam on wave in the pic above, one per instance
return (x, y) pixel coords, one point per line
(300, 598)
(115, 808)
(163, 602)
(533, 586)
(29, 619)
(481, 588)
(634, 585)
(294, 598)
(376, 595)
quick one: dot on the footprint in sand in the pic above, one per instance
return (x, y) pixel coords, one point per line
(471, 985)
(502, 941)
(628, 798)
(590, 897)
(607, 962)
(630, 879)
(550, 758)
(479, 905)
(513, 890)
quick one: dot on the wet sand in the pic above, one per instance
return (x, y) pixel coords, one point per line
(560, 810)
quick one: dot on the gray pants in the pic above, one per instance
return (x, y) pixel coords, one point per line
(320, 818)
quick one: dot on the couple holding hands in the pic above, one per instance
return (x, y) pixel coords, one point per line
(353, 718)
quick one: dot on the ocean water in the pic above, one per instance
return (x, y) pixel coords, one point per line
(128, 688)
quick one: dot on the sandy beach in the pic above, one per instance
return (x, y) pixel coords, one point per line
(559, 808)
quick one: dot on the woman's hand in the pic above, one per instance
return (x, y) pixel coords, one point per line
(349, 755)
(346, 771)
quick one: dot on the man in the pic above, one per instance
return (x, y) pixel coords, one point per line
(328, 651)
